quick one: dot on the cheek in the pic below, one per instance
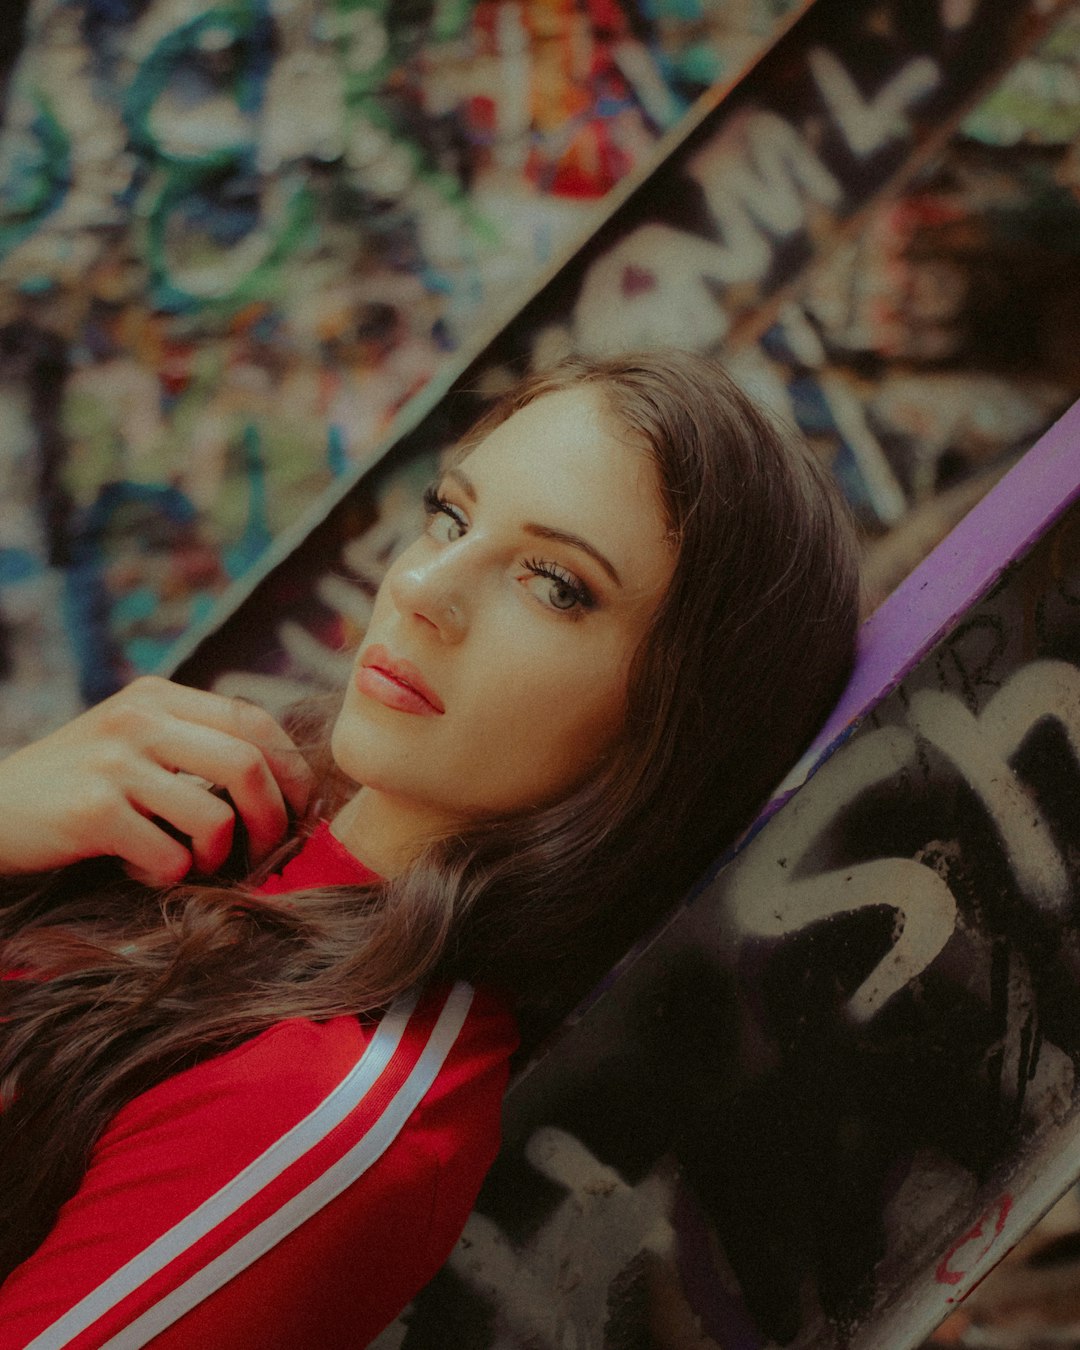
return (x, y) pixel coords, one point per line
(551, 726)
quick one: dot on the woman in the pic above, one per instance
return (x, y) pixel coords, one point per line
(633, 604)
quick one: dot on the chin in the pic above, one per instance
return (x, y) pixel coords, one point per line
(365, 759)
(346, 754)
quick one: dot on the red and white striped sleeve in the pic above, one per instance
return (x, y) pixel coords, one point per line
(291, 1194)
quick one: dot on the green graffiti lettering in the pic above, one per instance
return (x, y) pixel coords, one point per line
(37, 178)
(188, 267)
(220, 28)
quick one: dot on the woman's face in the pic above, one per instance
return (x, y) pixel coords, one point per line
(493, 676)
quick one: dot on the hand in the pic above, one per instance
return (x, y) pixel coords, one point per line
(90, 788)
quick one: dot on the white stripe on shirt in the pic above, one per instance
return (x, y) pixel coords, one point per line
(270, 1164)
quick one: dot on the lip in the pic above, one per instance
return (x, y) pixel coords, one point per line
(396, 683)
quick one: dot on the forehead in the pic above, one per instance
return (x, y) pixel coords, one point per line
(563, 461)
(563, 444)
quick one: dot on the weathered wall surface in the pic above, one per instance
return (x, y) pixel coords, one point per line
(236, 237)
(891, 335)
(842, 1081)
(235, 240)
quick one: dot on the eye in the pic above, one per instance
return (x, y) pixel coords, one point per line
(558, 588)
(445, 522)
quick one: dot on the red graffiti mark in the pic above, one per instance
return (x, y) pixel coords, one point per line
(999, 1213)
(636, 280)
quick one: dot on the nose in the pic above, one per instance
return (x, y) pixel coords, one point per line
(430, 589)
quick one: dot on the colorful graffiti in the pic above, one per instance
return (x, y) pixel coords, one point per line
(242, 299)
(254, 230)
(881, 320)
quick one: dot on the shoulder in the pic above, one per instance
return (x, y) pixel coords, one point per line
(310, 1147)
(479, 1034)
(433, 1069)
(288, 1069)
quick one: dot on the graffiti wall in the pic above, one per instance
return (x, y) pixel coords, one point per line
(842, 1081)
(811, 1114)
(895, 279)
(238, 242)
(236, 238)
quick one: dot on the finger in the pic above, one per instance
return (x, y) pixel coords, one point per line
(289, 767)
(257, 797)
(187, 748)
(188, 805)
(240, 718)
(243, 771)
(149, 854)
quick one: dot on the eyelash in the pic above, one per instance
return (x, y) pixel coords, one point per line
(583, 597)
(435, 505)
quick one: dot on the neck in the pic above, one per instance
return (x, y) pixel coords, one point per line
(386, 833)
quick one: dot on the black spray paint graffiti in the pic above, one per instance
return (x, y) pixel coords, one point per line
(769, 897)
(763, 190)
(775, 187)
(832, 1052)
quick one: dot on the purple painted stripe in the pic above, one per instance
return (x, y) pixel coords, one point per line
(1012, 516)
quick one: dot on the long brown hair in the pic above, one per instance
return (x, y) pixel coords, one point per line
(747, 651)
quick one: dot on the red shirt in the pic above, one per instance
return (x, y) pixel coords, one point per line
(291, 1194)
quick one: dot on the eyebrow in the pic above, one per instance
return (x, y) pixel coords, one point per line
(543, 531)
